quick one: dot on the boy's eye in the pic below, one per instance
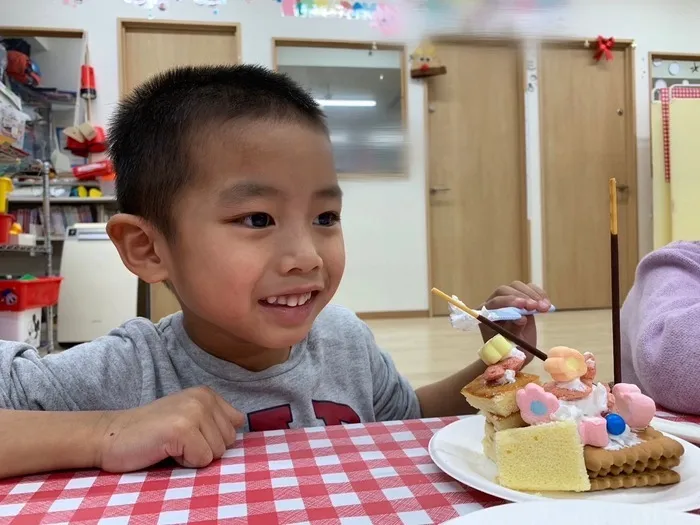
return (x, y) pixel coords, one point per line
(328, 218)
(257, 220)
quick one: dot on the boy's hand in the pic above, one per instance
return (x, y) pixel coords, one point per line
(194, 427)
(518, 295)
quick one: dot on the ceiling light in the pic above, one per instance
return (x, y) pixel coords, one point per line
(346, 103)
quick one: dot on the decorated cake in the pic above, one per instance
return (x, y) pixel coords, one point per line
(570, 433)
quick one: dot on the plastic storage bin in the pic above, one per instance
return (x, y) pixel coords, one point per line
(24, 326)
(18, 295)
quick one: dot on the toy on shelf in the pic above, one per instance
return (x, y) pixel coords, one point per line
(569, 433)
(425, 62)
(85, 139)
(92, 171)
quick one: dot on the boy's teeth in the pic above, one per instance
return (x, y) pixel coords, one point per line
(290, 300)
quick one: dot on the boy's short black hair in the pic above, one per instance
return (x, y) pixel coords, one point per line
(151, 132)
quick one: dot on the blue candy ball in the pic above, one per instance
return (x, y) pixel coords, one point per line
(615, 424)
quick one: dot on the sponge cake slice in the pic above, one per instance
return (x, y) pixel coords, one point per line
(542, 458)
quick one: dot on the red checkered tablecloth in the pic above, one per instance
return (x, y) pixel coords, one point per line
(354, 474)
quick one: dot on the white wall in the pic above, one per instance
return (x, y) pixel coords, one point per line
(63, 74)
(385, 219)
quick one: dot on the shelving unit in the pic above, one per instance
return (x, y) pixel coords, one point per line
(38, 200)
(38, 98)
(45, 249)
(63, 200)
(10, 95)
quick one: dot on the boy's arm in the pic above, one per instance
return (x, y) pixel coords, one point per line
(104, 374)
(660, 324)
(443, 399)
(35, 442)
(42, 427)
(194, 427)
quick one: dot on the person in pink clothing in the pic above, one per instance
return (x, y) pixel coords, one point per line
(660, 328)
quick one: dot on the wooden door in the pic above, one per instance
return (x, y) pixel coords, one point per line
(587, 120)
(149, 47)
(478, 218)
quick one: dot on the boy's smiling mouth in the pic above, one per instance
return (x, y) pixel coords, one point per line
(291, 309)
(291, 300)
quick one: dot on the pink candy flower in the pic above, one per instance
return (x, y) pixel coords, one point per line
(536, 405)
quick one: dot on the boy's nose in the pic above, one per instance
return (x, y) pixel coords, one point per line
(301, 256)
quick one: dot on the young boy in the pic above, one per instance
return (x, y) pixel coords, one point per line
(228, 193)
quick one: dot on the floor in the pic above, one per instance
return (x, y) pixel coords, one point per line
(428, 349)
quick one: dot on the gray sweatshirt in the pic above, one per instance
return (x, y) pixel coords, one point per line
(337, 374)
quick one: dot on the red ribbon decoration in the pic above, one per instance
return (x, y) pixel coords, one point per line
(605, 47)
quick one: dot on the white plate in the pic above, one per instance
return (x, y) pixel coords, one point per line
(688, 431)
(575, 513)
(457, 450)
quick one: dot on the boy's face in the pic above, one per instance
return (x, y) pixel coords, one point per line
(258, 249)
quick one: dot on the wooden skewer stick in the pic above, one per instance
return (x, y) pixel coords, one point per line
(615, 282)
(493, 326)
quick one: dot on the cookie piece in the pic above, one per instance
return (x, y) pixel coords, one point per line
(654, 447)
(640, 466)
(648, 478)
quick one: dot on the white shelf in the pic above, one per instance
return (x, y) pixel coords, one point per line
(63, 200)
(19, 248)
(56, 183)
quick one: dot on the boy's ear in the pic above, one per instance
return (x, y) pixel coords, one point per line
(140, 246)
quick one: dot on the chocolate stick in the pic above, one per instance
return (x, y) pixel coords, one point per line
(493, 326)
(615, 282)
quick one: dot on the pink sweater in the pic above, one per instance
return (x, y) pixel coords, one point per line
(660, 328)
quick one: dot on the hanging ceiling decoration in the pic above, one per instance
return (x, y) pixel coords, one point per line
(383, 16)
(164, 5)
(329, 9)
(518, 17)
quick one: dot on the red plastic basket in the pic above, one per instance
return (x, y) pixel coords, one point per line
(17, 296)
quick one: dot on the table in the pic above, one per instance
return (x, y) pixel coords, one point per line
(353, 474)
(373, 473)
(678, 418)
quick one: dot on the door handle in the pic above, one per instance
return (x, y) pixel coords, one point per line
(433, 191)
(623, 187)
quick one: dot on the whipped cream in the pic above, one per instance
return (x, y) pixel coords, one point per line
(593, 405)
(624, 440)
(508, 378)
(518, 354)
(575, 384)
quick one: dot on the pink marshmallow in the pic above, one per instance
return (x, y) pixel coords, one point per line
(593, 431)
(625, 388)
(634, 407)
